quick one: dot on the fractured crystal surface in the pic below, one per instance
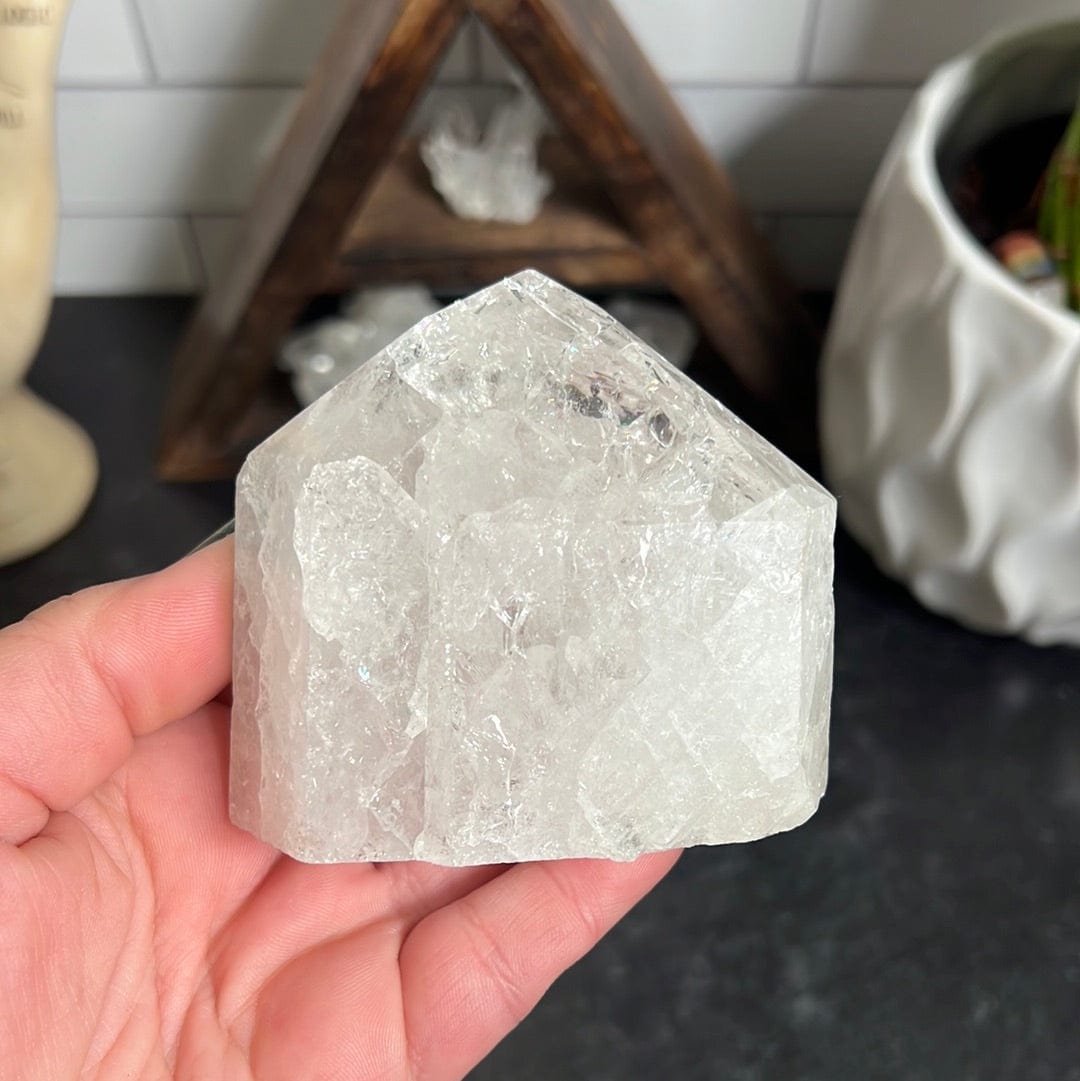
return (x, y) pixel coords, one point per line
(518, 589)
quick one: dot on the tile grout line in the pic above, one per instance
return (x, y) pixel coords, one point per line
(200, 272)
(108, 83)
(749, 84)
(176, 274)
(184, 213)
(164, 214)
(785, 217)
(105, 210)
(810, 30)
(142, 38)
(809, 88)
(184, 85)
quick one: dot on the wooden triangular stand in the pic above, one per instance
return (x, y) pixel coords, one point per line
(637, 200)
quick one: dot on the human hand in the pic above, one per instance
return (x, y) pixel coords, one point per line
(143, 935)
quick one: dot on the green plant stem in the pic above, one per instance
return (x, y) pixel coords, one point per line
(1059, 214)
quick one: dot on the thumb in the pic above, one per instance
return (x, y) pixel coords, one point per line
(85, 675)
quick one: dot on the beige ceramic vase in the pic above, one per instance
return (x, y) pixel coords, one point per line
(47, 464)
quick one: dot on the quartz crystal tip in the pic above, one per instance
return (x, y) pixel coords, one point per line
(518, 589)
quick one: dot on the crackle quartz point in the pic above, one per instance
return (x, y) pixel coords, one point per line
(518, 589)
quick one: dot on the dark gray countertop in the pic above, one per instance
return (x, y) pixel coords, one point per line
(925, 924)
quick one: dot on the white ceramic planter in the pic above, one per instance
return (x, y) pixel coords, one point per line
(951, 398)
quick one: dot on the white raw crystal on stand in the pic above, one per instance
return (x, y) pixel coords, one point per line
(518, 589)
(320, 356)
(494, 177)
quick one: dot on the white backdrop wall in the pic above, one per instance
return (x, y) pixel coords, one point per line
(167, 109)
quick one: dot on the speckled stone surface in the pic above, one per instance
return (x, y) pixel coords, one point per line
(925, 924)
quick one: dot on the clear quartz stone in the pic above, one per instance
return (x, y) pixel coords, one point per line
(518, 589)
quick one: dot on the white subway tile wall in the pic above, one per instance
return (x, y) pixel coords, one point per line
(724, 41)
(215, 240)
(168, 110)
(226, 42)
(867, 41)
(102, 47)
(705, 41)
(124, 255)
(796, 150)
(163, 150)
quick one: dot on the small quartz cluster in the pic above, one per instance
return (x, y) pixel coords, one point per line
(518, 589)
(494, 176)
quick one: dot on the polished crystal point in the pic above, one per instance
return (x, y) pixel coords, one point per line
(518, 589)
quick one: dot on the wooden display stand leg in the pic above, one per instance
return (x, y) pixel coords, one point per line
(637, 200)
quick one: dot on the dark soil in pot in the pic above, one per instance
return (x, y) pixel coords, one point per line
(998, 189)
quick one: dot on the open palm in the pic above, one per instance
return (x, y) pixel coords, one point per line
(143, 935)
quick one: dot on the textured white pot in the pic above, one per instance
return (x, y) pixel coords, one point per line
(951, 398)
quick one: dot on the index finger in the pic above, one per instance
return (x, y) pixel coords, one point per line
(472, 970)
(85, 675)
